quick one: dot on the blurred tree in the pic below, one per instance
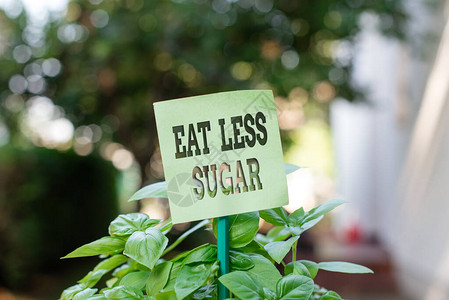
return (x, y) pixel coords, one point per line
(119, 56)
(87, 81)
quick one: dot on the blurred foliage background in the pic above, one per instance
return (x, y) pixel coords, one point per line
(77, 130)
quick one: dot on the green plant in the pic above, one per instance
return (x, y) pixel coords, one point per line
(136, 245)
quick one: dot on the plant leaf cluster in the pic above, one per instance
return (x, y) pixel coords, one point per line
(134, 252)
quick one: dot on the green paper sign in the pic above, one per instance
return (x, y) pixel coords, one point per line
(222, 154)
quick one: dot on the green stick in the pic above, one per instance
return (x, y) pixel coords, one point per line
(223, 253)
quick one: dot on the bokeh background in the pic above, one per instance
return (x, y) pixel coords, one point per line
(361, 88)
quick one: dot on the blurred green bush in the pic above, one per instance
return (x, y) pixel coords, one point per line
(50, 202)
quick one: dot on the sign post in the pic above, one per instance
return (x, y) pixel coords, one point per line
(223, 253)
(222, 156)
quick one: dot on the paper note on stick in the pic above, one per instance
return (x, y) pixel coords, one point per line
(222, 154)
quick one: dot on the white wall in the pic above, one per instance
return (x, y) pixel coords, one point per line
(422, 252)
(393, 153)
(371, 138)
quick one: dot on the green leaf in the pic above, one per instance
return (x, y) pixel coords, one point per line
(111, 263)
(278, 233)
(85, 294)
(176, 267)
(264, 271)
(278, 250)
(290, 168)
(243, 285)
(192, 277)
(184, 254)
(135, 279)
(311, 266)
(138, 266)
(269, 294)
(322, 209)
(168, 295)
(155, 190)
(296, 217)
(255, 247)
(330, 295)
(123, 270)
(297, 268)
(240, 261)
(106, 245)
(202, 254)
(295, 287)
(295, 230)
(146, 247)
(343, 267)
(299, 221)
(70, 292)
(242, 229)
(158, 278)
(276, 216)
(125, 225)
(262, 239)
(97, 297)
(204, 291)
(309, 224)
(92, 278)
(124, 293)
(113, 282)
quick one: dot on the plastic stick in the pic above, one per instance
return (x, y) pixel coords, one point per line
(223, 253)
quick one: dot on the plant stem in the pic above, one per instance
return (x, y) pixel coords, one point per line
(294, 246)
(184, 235)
